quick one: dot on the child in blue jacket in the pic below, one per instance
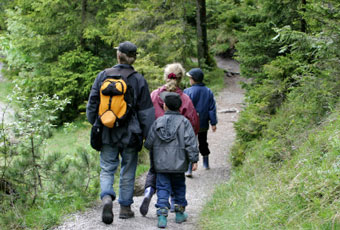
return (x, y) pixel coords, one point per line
(203, 99)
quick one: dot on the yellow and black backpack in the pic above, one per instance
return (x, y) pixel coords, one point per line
(116, 97)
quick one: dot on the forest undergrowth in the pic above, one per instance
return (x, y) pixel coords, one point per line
(285, 157)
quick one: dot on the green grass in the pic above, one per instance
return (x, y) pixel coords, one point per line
(300, 193)
(215, 80)
(70, 137)
(50, 208)
(46, 213)
(51, 212)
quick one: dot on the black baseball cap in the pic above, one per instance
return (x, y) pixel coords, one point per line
(196, 74)
(172, 100)
(128, 48)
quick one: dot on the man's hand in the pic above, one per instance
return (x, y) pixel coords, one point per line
(194, 166)
(213, 127)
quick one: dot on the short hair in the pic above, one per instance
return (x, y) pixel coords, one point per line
(125, 59)
(178, 70)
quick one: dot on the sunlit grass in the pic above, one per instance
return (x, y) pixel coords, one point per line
(70, 137)
(301, 193)
(51, 208)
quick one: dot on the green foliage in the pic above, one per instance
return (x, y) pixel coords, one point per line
(238, 153)
(33, 179)
(301, 194)
(5, 89)
(5, 4)
(51, 42)
(287, 145)
(225, 20)
(214, 79)
(306, 74)
(58, 47)
(152, 72)
(264, 99)
(255, 49)
(29, 128)
(159, 30)
(255, 46)
(74, 75)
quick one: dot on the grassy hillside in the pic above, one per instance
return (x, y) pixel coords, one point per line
(287, 150)
(289, 178)
(302, 193)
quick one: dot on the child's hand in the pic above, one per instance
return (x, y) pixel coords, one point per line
(194, 166)
(213, 127)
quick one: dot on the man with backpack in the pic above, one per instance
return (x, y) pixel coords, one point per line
(123, 108)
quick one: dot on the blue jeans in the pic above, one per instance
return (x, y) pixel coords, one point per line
(109, 162)
(167, 182)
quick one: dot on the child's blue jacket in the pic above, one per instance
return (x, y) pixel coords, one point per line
(203, 99)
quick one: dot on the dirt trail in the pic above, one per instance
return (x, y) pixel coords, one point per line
(200, 187)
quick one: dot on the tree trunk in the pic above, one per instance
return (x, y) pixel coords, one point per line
(83, 21)
(202, 41)
(303, 21)
(35, 165)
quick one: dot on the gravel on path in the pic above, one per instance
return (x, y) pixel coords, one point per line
(199, 188)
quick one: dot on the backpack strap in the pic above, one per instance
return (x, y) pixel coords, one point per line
(123, 72)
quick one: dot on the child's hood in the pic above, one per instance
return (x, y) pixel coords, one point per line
(167, 126)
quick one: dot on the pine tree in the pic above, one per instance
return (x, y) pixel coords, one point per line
(59, 41)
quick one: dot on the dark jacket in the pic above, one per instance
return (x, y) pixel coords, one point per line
(172, 142)
(203, 99)
(132, 133)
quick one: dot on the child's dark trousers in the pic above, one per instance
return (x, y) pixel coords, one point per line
(203, 143)
(167, 182)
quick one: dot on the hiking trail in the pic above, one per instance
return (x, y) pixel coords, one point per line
(200, 187)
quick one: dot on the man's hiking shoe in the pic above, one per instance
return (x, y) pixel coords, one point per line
(126, 212)
(107, 214)
(162, 214)
(148, 193)
(189, 172)
(206, 162)
(181, 216)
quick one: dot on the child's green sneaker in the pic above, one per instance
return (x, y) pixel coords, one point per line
(181, 216)
(162, 221)
(162, 214)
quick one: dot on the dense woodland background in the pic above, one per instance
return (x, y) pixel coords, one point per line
(287, 154)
